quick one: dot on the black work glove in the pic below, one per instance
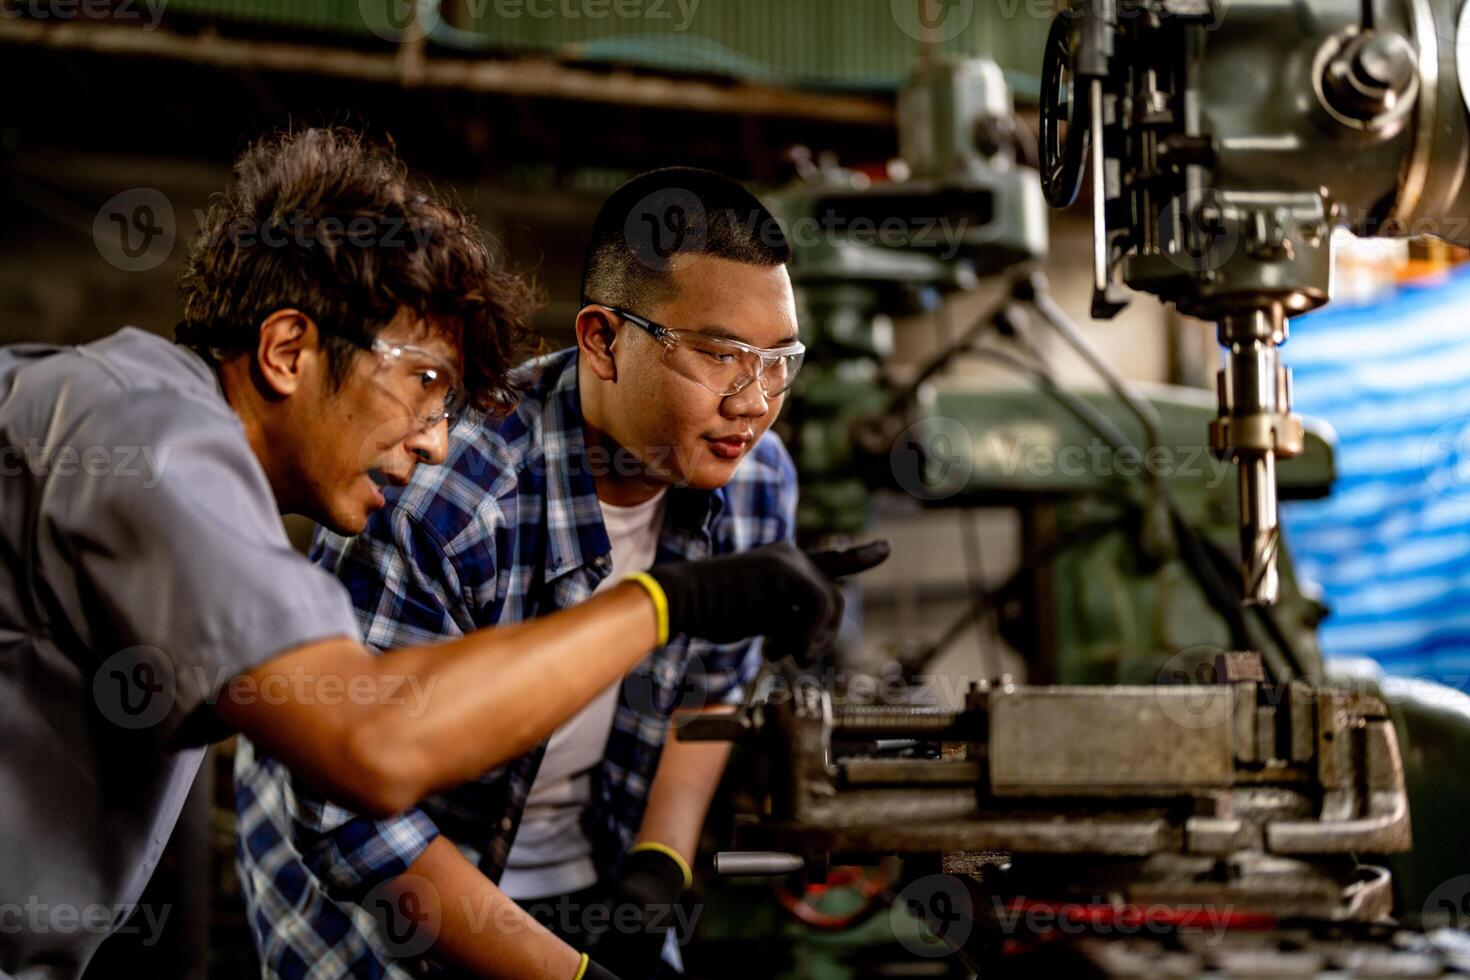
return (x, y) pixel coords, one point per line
(788, 596)
(642, 910)
(596, 971)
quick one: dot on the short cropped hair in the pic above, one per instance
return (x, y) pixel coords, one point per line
(324, 221)
(664, 213)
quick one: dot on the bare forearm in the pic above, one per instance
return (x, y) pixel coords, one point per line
(380, 733)
(481, 930)
(687, 777)
(491, 695)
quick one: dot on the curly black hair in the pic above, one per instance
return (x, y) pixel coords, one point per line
(325, 221)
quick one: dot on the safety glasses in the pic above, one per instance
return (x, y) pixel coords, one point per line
(427, 385)
(722, 367)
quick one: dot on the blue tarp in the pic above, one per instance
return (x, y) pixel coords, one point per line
(1391, 546)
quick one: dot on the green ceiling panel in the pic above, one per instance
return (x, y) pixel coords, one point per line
(815, 43)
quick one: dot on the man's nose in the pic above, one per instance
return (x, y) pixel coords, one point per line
(748, 402)
(430, 445)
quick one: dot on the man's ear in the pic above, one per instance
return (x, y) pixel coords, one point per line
(287, 351)
(596, 335)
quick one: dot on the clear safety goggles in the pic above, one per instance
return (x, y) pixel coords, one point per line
(427, 385)
(722, 367)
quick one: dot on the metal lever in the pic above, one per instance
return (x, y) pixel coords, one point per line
(751, 864)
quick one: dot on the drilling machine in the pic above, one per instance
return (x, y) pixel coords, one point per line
(1223, 143)
(962, 208)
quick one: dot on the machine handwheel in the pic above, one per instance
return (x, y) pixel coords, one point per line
(1064, 113)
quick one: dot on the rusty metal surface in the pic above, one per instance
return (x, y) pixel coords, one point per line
(1068, 741)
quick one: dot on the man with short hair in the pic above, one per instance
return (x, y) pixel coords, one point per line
(336, 318)
(643, 446)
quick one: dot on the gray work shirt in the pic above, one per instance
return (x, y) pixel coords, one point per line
(143, 565)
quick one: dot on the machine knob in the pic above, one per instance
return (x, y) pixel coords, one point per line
(1370, 75)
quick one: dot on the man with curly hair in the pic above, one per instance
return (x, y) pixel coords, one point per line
(337, 319)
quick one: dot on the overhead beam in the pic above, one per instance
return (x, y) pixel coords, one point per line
(417, 67)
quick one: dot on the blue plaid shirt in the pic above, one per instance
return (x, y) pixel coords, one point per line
(509, 528)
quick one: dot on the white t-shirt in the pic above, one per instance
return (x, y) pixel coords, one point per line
(551, 855)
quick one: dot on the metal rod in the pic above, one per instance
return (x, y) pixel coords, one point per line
(889, 722)
(757, 863)
(1253, 397)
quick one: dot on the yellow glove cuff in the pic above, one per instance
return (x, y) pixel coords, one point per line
(660, 605)
(666, 849)
(582, 967)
